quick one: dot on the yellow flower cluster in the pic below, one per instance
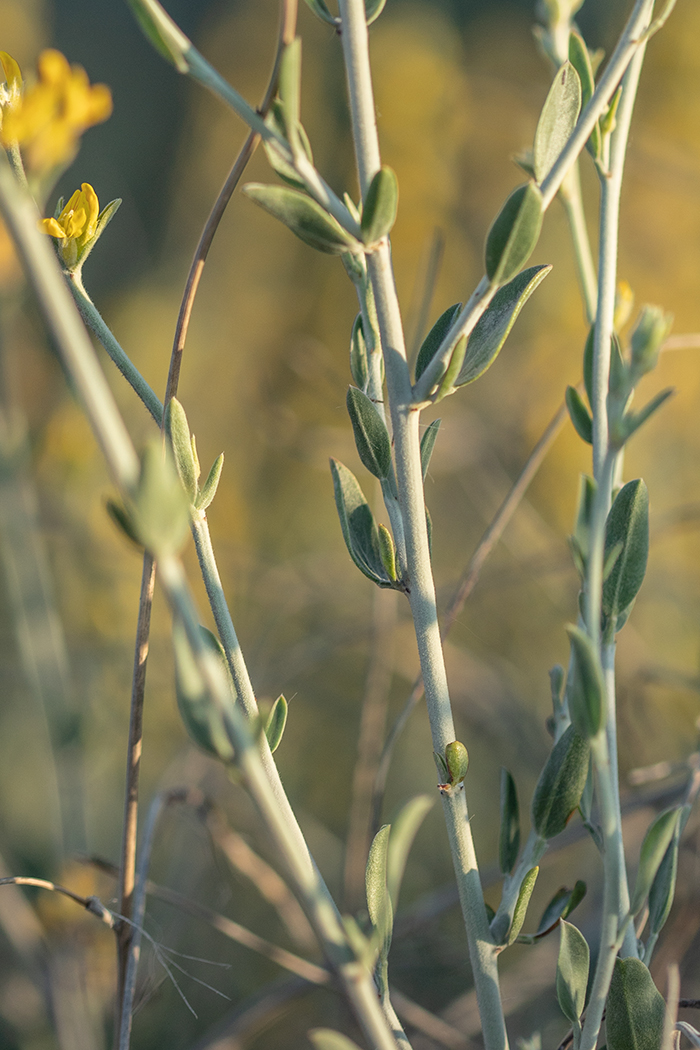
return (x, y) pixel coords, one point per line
(47, 119)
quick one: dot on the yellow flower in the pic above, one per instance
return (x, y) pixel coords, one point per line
(76, 224)
(48, 118)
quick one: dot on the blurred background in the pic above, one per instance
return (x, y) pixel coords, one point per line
(459, 86)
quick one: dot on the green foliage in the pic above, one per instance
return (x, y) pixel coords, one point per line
(627, 527)
(358, 525)
(378, 898)
(656, 841)
(201, 716)
(208, 490)
(561, 906)
(427, 444)
(494, 326)
(521, 905)
(178, 431)
(579, 415)
(434, 338)
(403, 832)
(509, 841)
(159, 509)
(457, 761)
(515, 231)
(387, 551)
(557, 120)
(371, 435)
(586, 692)
(561, 784)
(572, 972)
(359, 366)
(276, 722)
(648, 336)
(635, 1008)
(380, 205)
(303, 216)
(580, 58)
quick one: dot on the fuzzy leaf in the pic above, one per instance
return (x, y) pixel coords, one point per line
(387, 552)
(276, 722)
(561, 784)
(434, 338)
(359, 367)
(378, 899)
(579, 415)
(557, 120)
(514, 234)
(561, 906)
(275, 120)
(521, 905)
(178, 431)
(656, 842)
(587, 693)
(636, 1011)
(210, 486)
(289, 85)
(628, 525)
(357, 524)
(303, 216)
(509, 841)
(403, 832)
(580, 59)
(379, 208)
(572, 972)
(494, 326)
(371, 435)
(663, 888)
(427, 444)
(160, 512)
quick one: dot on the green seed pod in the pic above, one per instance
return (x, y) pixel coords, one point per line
(457, 759)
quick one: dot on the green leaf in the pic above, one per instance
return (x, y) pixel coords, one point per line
(275, 120)
(509, 841)
(387, 552)
(656, 842)
(380, 205)
(163, 33)
(584, 510)
(434, 338)
(359, 367)
(561, 784)
(454, 367)
(357, 524)
(572, 972)
(635, 1012)
(403, 832)
(561, 906)
(276, 721)
(634, 420)
(649, 334)
(320, 9)
(289, 86)
(587, 691)
(378, 899)
(457, 761)
(122, 519)
(427, 444)
(514, 234)
(303, 216)
(557, 120)
(201, 716)
(579, 415)
(210, 486)
(373, 9)
(628, 525)
(160, 509)
(580, 59)
(371, 435)
(494, 326)
(521, 905)
(663, 888)
(178, 431)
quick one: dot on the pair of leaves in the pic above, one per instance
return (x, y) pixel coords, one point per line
(358, 525)
(184, 448)
(561, 783)
(490, 332)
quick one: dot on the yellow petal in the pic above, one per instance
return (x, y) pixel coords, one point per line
(53, 67)
(51, 227)
(92, 206)
(69, 208)
(13, 74)
(76, 223)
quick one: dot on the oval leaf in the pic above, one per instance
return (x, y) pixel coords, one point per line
(380, 205)
(387, 552)
(378, 899)
(427, 444)
(579, 415)
(514, 233)
(160, 511)
(627, 524)
(587, 691)
(303, 216)
(276, 722)
(561, 905)
(561, 784)
(178, 431)
(656, 842)
(211, 484)
(663, 888)
(493, 327)
(557, 119)
(434, 338)
(359, 367)
(357, 524)
(509, 841)
(572, 972)
(580, 59)
(371, 436)
(521, 905)
(636, 1011)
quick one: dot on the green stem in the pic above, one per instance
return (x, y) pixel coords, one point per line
(570, 196)
(93, 319)
(405, 423)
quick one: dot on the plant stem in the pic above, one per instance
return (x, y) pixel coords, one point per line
(570, 196)
(405, 422)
